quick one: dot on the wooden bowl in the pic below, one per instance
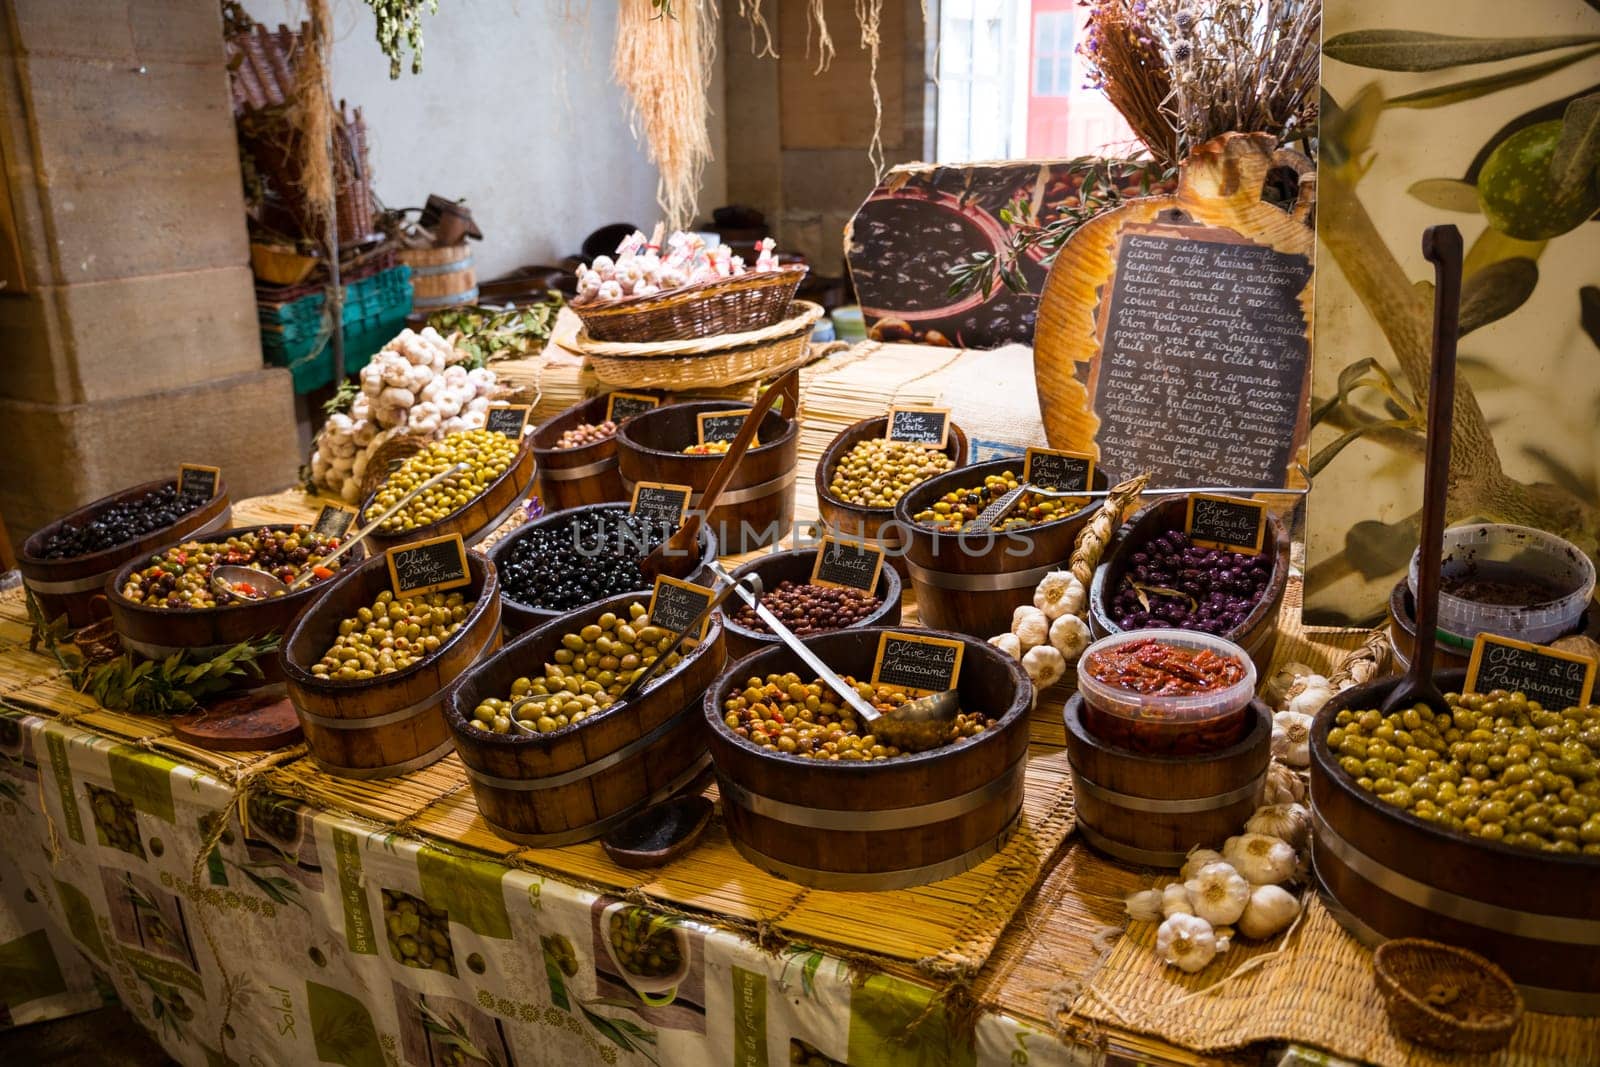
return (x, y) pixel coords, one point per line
(157, 633)
(795, 566)
(1259, 632)
(583, 780)
(877, 825)
(391, 724)
(1450, 657)
(863, 523)
(518, 617)
(71, 586)
(1390, 874)
(569, 477)
(1482, 1007)
(475, 519)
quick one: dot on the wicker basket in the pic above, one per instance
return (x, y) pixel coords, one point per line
(708, 363)
(729, 305)
(1446, 997)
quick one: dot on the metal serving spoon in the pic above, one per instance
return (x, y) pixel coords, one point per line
(228, 577)
(998, 510)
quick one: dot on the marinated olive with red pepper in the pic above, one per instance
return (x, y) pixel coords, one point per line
(180, 577)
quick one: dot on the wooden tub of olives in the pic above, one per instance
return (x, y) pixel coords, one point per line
(158, 632)
(972, 582)
(1388, 873)
(1257, 634)
(72, 586)
(883, 824)
(518, 617)
(796, 566)
(857, 521)
(583, 779)
(587, 474)
(475, 519)
(390, 724)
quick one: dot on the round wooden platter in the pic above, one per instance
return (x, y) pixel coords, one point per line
(244, 722)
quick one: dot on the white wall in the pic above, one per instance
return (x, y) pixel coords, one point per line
(514, 110)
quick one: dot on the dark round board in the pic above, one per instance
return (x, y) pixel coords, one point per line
(251, 722)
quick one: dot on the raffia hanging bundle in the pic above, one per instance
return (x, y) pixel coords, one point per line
(312, 115)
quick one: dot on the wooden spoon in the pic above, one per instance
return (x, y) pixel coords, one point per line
(678, 556)
(1442, 245)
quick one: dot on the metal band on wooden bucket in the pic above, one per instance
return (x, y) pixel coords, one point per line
(601, 827)
(738, 496)
(433, 755)
(449, 267)
(96, 581)
(465, 296)
(1155, 805)
(877, 880)
(1131, 853)
(980, 583)
(388, 718)
(588, 770)
(879, 819)
(570, 474)
(506, 512)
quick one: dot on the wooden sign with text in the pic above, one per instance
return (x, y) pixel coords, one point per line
(430, 566)
(334, 520)
(508, 419)
(847, 565)
(1229, 522)
(199, 480)
(919, 426)
(720, 425)
(620, 406)
(1556, 679)
(1051, 469)
(916, 663)
(675, 604)
(659, 500)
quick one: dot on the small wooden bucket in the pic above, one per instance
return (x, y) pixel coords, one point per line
(478, 517)
(587, 474)
(796, 566)
(441, 277)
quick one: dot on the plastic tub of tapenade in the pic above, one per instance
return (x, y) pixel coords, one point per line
(805, 608)
(1514, 581)
(1168, 692)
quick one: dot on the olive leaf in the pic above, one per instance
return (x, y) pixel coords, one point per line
(1326, 454)
(1416, 50)
(1377, 549)
(1140, 590)
(1543, 113)
(1446, 194)
(1578, 149)
(1347, 131)
(1496, 291)
(1589, 312)
(1493, 247)
(1456, 92)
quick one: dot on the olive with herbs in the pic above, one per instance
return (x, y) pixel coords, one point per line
(877, 472)
(391, 635)
(710, 448)
(487, 454)
(180, 577)
(957, 509)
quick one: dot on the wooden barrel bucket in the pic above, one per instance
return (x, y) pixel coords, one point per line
(156, 633)
(883, 824)
(478, 517)
(70, 587)
(587, 474)
(1453, 656)
(579, 782)
(795, 566)
(390, 724)
(756, 509)
(1387, 873)
(518, 617)
(972, 583)
(441, 277)
(1257, 635)
(1151, 810)
(865, 524)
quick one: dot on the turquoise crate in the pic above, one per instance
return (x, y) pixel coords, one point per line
(295, 334)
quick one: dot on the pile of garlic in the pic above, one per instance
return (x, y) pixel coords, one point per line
(1238, 892)
(1298, 693)
(415, 386)
(641, 268)
(1050, 633)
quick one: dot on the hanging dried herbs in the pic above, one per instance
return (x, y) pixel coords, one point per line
(400, 27)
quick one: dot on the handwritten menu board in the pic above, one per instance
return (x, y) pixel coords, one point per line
(1050, 469)
(847, 565)
(1233, 523)
(675, 605)
(916, 663)
(1203, 373)
(334, 520)
(919, 426)
(720, 425)
(508, 419)
(659, 500)
(197, 480)
(621, 406)
(1555, 678)
(429, 566)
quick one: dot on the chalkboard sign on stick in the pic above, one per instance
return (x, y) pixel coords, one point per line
(620, 406)
(674, 605)
(720, 425)
(847, 565)
(919, 426)
(659, 500)
(508, 419)
(1229, 522)
(1059, 470)
(1555, 678)
(198, 479)
(430, 566)
(334, 520)
(916, 663)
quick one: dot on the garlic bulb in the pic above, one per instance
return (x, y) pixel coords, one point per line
(1224, 936)
(1283, 786)
(1175, 900)
(1309, 693)
(1217, 893)
(1262, 859)
(1069, 635)
(1030, 626)
(1010, 644)
(1044, 665)
(1291, 738)
(1291, 822)
(1059, 593)
(1269, 910)
(1144, 906)
(1187, 942)
(1198, 858)
(1276, 691)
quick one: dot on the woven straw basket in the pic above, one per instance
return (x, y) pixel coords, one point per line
(1446, 997)
(728, 305)
(706, 363)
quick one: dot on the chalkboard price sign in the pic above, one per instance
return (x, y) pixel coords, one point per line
(620, 406)
(658, 500)
(1051, 469)
(334, 520)
(508, 419)
(720, 425)
(193, 478)
(1555, 678)
(847, 565)
(1229, 522)
(429, 566)
(674, 605)
(917, 664)
(919, 426)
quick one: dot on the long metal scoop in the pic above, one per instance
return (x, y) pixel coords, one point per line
(999, 509)
(231, 576)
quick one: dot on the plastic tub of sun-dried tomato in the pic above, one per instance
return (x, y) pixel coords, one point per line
(1167, 692)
